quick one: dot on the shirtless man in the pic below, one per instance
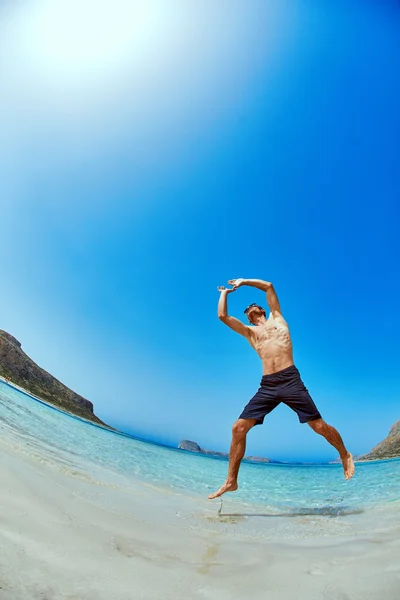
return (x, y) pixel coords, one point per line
(281, 381)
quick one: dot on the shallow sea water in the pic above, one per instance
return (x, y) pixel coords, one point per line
(270, 489)
(91, 514)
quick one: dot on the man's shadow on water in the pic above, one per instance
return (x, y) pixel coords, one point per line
(324, 511)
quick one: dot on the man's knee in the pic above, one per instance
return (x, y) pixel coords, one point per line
(318, 425)
(242, 426)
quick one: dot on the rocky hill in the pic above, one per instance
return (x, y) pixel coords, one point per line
(388, 448)
(21, 370)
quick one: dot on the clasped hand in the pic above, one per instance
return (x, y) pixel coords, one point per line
(235, 283)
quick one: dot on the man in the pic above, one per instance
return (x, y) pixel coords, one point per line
(281, 380)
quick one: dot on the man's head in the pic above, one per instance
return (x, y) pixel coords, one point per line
(254, 313)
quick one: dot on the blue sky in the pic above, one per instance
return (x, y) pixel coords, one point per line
(173, 146)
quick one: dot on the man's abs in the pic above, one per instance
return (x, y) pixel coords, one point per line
(272, 363)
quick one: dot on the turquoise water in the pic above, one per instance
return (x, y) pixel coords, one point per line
(319, 489)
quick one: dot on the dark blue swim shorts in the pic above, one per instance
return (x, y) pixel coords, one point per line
(284, 386)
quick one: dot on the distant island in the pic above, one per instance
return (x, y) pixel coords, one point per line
(388, 448)
(194, 447)
(18, 368)
(190, 446)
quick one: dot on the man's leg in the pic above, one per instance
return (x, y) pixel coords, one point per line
(334, 438)
(236, 453)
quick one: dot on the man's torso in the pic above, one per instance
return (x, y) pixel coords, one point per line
(273, 344)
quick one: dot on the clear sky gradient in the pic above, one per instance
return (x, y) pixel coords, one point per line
(153, 150)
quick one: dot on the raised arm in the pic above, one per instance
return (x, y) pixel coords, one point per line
(232, 322)
(265, 286)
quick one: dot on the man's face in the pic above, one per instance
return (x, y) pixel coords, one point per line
(254, 313)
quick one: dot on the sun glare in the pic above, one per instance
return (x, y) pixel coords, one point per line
(80, 37)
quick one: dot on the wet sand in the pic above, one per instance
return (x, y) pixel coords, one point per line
(75, 532)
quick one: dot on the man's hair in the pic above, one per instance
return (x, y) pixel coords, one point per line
(254, 305)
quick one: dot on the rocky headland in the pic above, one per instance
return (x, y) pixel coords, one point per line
(21, 370)
(388, 448)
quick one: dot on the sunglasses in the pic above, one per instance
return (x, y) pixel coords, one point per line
(249, 307)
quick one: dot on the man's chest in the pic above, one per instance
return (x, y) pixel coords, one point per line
(272, 331)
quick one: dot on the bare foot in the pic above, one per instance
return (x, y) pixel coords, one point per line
(227, 487)
(348, 466)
